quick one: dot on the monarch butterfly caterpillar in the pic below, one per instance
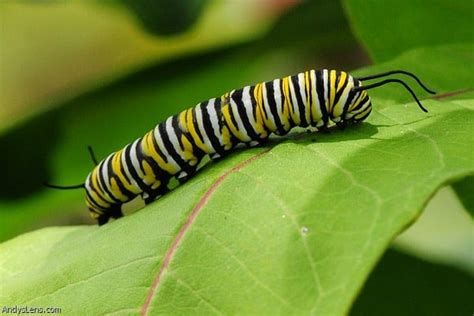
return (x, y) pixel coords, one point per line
(214, 127)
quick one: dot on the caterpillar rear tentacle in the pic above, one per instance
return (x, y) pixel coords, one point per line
(314, 99)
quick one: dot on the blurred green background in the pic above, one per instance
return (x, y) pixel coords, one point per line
(78, 73)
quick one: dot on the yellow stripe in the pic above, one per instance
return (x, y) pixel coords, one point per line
(285, 117)
(98, 198)
(342, 80)
(187, 153)
(100, 193)
(228, 119)
(259, 115)
(361, 114)
(314, 113)
(117, 168)
(149, 149)
(150, 177)
(192, 130)
(307, 106)
(259, 122)
(116, 190)
(332, 89)
(359, 99)
(338, 108)
(94, 214)
(225, 134)
(294, 117)
(182, 121)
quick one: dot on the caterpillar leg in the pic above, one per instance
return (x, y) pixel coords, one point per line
(114, 212)
(184, 176)
(257, 143)
(101, 220)
(150, 196)
(324, 129)
(218, 156)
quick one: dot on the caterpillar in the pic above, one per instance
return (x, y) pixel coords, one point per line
(175, 147)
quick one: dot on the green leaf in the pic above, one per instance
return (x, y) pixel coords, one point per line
(464, 189)
(404, 285)
(443, 234)
(45, 65)
(295, 227)
(178, 16)
(388, 28)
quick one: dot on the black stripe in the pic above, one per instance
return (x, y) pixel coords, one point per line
(195, 123)
(93, 201)
(366, 115)
(237, 98)
(157, 147)
(349, 101)
(273, 108)
(131, 168)
(339, 93)
(254, 103)
(309, 93)
(102, 183)
(197, 152)
(283, 100)
(155, 167)
(231, 113)
(361, 103)
(122, 188)
(320, 91)
(210, 133)
(223, 123)
(254, 106)
(299, 99)
(170, 148)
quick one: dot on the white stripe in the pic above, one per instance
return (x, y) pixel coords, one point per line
(105, 172)
(247, 101)
(237, 118)
(277, 94)
(294, 100)
(173, 137)
(268, 113)
(345, 95)
(159, 141)
(326, 89)
(200, 124)
(211, 110)
(315, 98)
(87, 184)
(302, 84)
(134, 159)
(127, 171)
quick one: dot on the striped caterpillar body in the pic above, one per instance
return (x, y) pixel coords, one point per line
(174, 148)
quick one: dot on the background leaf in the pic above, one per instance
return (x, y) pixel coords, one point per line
(54, 51)
(166, 17)
(464, 189)
(388, 28)
(326, 206)
(416, 287)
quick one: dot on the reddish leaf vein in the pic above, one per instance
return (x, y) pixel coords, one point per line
(192, 216)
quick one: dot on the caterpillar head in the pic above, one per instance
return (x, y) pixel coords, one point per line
(358, 105)
(354, 104)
